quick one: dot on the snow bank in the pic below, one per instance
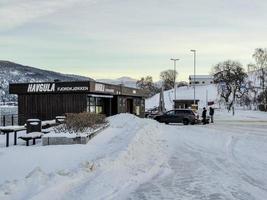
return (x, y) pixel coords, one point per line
(125, 155)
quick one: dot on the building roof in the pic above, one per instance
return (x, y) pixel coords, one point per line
(185, 100)
(73, 87)
(201, 77)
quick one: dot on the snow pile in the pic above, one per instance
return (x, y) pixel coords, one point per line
(33, 135)
(204, 93)
(126, 154)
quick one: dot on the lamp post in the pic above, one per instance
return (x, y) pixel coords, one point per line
(174, 83)
(194, 51)
(1, 104)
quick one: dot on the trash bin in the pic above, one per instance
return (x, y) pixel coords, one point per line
(34, 125)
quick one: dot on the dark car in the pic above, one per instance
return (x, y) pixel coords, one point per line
(185, 116)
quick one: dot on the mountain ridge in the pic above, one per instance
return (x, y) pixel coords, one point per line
(11, 72)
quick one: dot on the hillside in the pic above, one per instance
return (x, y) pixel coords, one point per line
(126, 81)
(15, 73)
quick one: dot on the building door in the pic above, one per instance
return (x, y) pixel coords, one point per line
(129, 106)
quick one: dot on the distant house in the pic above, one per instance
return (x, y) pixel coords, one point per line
(201, 79)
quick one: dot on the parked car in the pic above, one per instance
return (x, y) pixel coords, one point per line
(185, 116)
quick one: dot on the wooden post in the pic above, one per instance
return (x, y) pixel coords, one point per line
(110, 112)
(4, 120)
(12, 120)
(7, 139)
(15, 137)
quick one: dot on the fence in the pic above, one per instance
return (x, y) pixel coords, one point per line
(10, 119)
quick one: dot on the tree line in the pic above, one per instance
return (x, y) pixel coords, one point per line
(167, 78)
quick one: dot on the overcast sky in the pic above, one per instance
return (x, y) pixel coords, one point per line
(114, 38)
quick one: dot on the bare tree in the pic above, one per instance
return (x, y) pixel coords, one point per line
(260, 56)
(146, 83)
(230, 78)
(167, 77)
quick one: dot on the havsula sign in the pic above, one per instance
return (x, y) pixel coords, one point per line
(41, 87)
(51, 87)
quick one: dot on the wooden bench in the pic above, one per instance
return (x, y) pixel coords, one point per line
(31, 136)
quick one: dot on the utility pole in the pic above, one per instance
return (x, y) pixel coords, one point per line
(194, 51)
(174, 83)
(1, 104)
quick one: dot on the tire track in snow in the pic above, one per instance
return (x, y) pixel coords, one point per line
(230, 146)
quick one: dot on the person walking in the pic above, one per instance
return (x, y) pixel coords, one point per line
(211, 114)
(204, 115)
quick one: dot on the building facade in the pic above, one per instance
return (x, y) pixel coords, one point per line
(47, 100)
(185, 103)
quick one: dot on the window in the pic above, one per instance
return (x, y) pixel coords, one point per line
(137, 110)
(95, 105)
(170, 112)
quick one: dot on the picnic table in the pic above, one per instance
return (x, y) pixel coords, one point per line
(10, 129)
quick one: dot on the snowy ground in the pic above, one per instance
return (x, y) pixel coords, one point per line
(142, 159)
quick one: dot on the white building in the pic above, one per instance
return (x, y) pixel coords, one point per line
(201, 79)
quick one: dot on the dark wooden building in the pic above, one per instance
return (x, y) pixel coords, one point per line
(50, 99)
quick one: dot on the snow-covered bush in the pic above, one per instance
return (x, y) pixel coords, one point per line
(81, 122)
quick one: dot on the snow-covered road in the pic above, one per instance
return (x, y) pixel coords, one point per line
(221, 161)
(142, 159)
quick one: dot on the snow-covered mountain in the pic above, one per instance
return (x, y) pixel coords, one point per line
(15, 73)
(126, 81)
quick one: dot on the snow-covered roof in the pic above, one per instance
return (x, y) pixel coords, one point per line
(201, 77)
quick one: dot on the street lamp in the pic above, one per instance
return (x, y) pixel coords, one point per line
(174, 83)
(194, 51)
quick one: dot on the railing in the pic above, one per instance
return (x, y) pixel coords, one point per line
(10, 119)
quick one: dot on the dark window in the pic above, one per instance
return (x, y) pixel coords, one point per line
(177, 112)
(95, 105)
(170, 112)
(189, 112)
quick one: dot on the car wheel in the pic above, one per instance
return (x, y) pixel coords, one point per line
(166, 122)
(185, 121)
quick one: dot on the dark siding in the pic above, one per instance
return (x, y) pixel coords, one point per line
(48, 106)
